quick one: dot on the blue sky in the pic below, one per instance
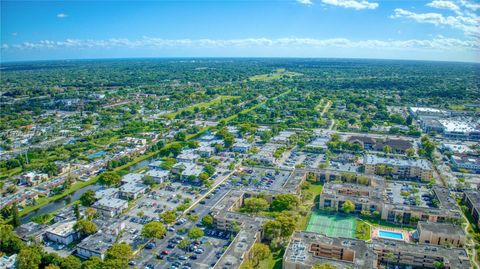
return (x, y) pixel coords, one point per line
(408, 29)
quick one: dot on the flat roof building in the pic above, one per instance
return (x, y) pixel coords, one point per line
(110, 206)
(445, 234)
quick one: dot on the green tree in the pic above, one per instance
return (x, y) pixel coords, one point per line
(110, 179)
(284, 202)
(255, 205)
(195, 233)
(29, 258)
(10, 243)
(438, 264)
(387, 149)
(115, 264)
(207, 220)
(87, 198)
(259, 253)
(168, 217)
(154, 229)
(93, 262)
(85, 227)
(71, 262)
(183, 244)
(15, 215)
(76, 211)
(410, 152)
(348, 206)
(122, 252)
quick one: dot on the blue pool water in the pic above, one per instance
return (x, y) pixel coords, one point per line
(390, 235)
(96, 154)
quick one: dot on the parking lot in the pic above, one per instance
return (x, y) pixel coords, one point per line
(306, 159)
(260, 178)
(160, 200)
(409, 194)
(212, 245)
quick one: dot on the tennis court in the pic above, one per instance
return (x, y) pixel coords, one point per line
(331, 224)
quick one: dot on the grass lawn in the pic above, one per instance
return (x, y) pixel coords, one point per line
(362, 230)
(274, 76)
(379, 222)
(273, 262)
(312, 193)
(200, 105)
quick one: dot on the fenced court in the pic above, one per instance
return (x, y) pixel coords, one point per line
(334, 225)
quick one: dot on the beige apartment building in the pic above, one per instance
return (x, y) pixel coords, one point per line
(398, 168)
(446, 234)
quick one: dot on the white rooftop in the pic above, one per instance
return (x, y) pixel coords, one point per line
(457, 126)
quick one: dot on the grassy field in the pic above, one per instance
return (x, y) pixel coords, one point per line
(201, 105)
(332, 225)
(362, 230)
(313, 192)
(274, 76)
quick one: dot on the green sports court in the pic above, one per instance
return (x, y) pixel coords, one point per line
(331, 224)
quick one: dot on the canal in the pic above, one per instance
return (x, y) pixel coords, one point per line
(60, 203)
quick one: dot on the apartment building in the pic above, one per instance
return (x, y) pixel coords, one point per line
(472, 201)
(398, 168)
(373, 198)
(307, 249)
(446, 234)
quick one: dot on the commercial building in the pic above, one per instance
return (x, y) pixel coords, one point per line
(95, 245)
(158, 176)
(110, 206)
(62, 232)
(31, 231)
(470, 163)
(398, 146)
(446, 234)
(427, 111)
(132, 191)
(398, 168)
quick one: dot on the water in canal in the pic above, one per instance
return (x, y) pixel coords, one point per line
(52, 206)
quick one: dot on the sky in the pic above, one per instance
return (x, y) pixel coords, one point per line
(444, 30)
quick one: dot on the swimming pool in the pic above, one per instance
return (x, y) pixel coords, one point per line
(390, 235)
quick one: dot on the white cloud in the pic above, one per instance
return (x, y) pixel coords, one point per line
(468, 22)
(440, 42)
(441, 4)
(355, 4)
(305, 2)
(62, 15)
(470, 5)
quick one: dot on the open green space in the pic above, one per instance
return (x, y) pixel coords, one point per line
(274, 76)
(332, 224)
(201, 105)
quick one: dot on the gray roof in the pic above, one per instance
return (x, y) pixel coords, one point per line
(374, 160)
(444, 228)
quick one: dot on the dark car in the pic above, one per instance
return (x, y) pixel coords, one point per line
(194, 257)
(150, 245)
(171, 246)
(160, 256)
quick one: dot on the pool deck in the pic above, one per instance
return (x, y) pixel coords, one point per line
(375, 233)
